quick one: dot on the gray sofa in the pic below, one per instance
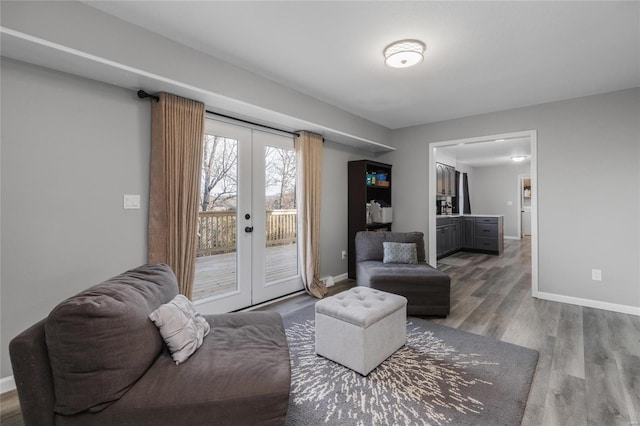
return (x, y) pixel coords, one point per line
(97, 359)
(426, 289)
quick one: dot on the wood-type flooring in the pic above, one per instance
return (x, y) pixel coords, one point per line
(588, 372)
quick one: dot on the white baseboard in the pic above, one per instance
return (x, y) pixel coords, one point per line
(7, 384)
(614, 307)
(330, 280)
(508, 237)
(341, 277)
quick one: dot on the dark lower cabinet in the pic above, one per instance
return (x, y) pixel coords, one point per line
(487, 244)
(455, 235)
(468, 236)
(473, 233)
(448, 236)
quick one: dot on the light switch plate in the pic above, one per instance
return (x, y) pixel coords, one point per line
(131, 201)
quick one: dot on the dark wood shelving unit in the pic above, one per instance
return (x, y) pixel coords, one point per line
(359, 195)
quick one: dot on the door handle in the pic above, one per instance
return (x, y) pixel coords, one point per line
(248, 229)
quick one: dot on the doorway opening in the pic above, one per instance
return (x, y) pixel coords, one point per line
(472, 143)
(524, 205)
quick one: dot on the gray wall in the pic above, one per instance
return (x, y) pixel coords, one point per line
(70, 149)
(493, 188)
(588, 188)
(334, 212)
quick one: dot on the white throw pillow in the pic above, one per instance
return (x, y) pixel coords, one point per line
(181, 326)
(400, 252)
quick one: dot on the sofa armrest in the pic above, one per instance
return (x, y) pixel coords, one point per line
(32, 374)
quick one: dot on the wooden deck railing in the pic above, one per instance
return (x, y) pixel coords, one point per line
(217, 230)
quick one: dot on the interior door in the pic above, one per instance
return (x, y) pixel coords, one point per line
(247, 234)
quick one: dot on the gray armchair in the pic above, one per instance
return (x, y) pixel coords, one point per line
(426, 289)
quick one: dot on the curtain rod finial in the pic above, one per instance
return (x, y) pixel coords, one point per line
(142, 95)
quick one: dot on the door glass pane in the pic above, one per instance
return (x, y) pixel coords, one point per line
(281, 258)
(216, 261)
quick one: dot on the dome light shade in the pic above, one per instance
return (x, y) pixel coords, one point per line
(404, 53)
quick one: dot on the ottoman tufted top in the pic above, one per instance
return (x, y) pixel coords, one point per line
(361, 306)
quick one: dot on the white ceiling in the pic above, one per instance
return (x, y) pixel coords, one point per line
(481, 56)
(489, 153)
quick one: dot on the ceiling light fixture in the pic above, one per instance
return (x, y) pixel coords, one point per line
(519, 158)
(404, 53)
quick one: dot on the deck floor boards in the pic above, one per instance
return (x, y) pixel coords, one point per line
(217, 274)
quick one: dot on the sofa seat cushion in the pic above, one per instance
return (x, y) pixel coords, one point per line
(240, 375)
(426, 289)
(371, 271)
(101, 341)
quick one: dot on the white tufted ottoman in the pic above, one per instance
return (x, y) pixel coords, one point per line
(361, 327)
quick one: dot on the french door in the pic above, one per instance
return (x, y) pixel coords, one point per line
(247, 233)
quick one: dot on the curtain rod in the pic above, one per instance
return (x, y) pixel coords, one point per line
(252, 123)
(143, 95)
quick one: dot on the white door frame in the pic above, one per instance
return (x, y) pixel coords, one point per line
(533, 138)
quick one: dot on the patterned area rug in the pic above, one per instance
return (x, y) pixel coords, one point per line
(442, 376)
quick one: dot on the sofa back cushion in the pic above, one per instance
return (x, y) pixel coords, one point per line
(101, 340)
(369, 244)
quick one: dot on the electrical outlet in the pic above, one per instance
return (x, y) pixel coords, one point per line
(344, 255)
(596, 274)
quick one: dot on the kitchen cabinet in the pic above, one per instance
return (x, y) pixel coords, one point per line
(483, 234)
(448, 236)
(441, 242)
(445, 180)
(468, 235)
(360, 192)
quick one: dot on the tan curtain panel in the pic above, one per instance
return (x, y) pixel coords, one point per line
(177, 126)
(308, 148)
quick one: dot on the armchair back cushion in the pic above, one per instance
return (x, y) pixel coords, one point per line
(101, 341)
(369, 245)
